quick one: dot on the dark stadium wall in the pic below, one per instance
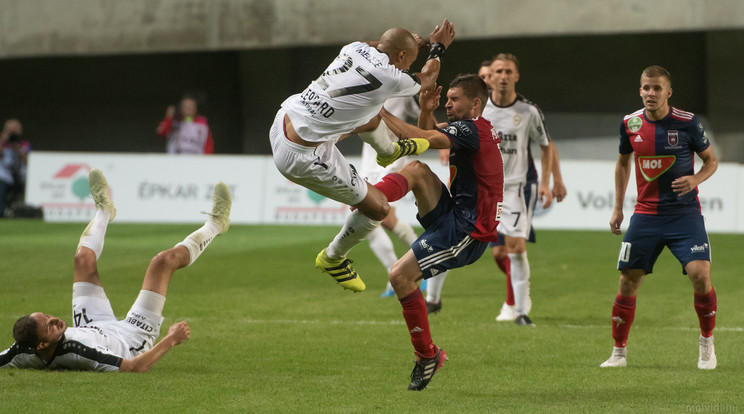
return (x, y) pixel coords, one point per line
(114, 103)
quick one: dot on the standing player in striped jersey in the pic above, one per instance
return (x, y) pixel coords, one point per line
(344, 100)
(519, 122)
(664, 140)
(98, 341)
(459, 223)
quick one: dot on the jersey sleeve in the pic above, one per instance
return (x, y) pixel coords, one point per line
(16, 357)
(698, 140)
(80, 357)
(408, 84)
(625, 147)
(537, 132)
(463, 134)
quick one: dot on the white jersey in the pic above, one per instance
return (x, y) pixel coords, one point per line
(81, 349)
(348, 94)
(98, 341)
(518, 125)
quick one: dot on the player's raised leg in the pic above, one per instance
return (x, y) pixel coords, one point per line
(185, 253)
(359, 224)
(91, 242)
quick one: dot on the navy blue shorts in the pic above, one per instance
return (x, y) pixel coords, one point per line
(446, 242)
(684, 235)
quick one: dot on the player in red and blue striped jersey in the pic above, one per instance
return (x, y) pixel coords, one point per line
(664, 140)
(459, 223)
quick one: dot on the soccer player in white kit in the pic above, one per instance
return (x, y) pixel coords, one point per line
(519, 122)
(98, 341)
(344, 100)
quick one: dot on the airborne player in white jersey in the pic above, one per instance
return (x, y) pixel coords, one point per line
(344, 100)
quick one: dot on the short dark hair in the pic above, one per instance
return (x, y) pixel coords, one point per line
(508, 57)
(657, 71)
(26, 332)
(486, 62)
(472, 86)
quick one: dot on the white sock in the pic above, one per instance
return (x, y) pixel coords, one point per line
(197, 241)
(381, 139)
(434, 287)
(405, 232)
(94, 234)
(154, 302)
(520, 276)
(356, 228)
(382, 247)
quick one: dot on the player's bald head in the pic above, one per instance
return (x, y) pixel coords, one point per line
(396, 40)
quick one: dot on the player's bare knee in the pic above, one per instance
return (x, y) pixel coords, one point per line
(418, 170)
(376, 209)
(85, 260)
(168, 259)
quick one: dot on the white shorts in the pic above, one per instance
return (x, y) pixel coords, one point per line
(322, 169)
(517, 209)
(138, 331)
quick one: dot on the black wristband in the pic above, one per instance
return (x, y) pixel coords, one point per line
(436, 51)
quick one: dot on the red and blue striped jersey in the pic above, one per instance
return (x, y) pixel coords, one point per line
(476, 176)
(664, 151)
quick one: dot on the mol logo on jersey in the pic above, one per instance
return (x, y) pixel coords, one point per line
(654, 165)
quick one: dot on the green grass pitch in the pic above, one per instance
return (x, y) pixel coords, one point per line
(270, 333)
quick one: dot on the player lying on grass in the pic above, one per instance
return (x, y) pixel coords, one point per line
(98, 341)
(459, 223)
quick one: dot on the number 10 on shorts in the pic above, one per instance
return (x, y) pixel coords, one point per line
(624, 252)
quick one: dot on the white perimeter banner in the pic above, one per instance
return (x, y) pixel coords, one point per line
(163, 188)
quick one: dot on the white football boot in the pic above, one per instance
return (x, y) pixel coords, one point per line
(617, 359)
(707, 358)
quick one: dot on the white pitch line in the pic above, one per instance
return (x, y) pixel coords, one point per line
(401, 322)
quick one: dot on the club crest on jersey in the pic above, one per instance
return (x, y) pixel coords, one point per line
(516, 119)
(634, 124)
(652, 166)
(673, 137)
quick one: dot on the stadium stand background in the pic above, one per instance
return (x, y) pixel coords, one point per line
(96, 75)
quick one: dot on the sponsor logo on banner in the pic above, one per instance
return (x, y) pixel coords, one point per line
(67, 193)
(296, 204)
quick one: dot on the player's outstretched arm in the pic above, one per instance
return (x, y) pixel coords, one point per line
(177, 334)
(403, 130)
(622, 175)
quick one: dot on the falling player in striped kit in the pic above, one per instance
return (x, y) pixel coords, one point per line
(98, 341)
(459, 222)
(664, 141)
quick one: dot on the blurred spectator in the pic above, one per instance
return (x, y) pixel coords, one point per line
(184, 130)
(13, 164)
